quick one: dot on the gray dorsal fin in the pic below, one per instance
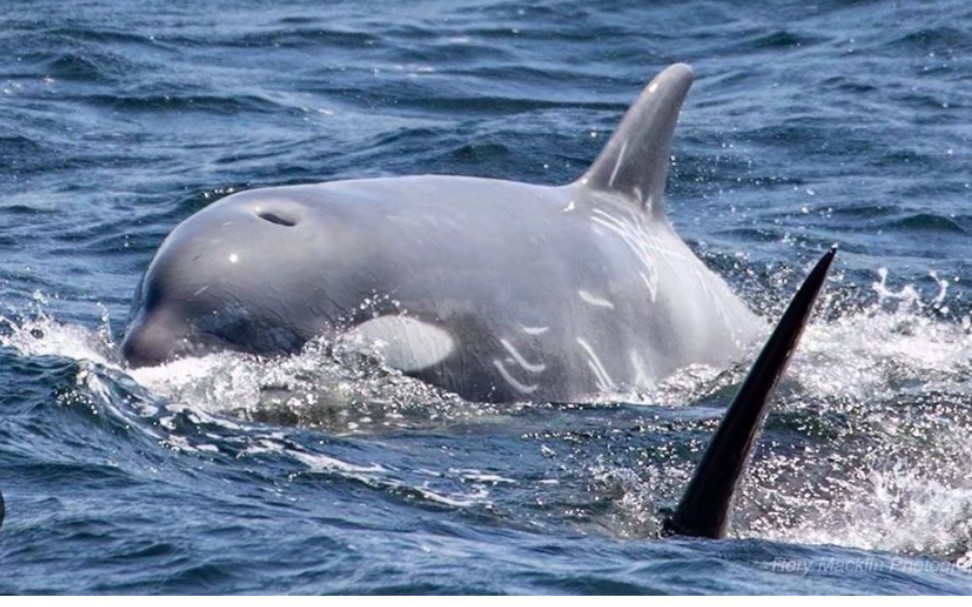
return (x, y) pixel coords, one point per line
(706, 505)
(635, 160)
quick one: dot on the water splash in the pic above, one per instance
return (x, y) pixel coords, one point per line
(868, 447)
(872, 449)
(38, 334)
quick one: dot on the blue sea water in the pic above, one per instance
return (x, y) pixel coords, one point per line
(808, 124)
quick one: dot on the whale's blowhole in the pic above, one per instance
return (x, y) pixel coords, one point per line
(280, 219)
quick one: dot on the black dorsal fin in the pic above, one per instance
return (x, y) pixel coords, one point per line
(634, 162)
(707, 502)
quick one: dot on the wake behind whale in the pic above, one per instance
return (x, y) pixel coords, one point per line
(492, 289)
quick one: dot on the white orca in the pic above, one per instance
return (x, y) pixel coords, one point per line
(495, 290)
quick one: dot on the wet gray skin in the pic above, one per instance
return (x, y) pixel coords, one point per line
(493, 289)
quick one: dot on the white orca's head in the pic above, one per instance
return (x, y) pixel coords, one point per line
(238, 276)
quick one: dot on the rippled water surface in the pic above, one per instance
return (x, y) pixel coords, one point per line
(807, 125)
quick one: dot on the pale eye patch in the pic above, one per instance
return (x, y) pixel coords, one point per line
(405, 343)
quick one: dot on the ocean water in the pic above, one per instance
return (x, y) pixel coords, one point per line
(846, 122)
